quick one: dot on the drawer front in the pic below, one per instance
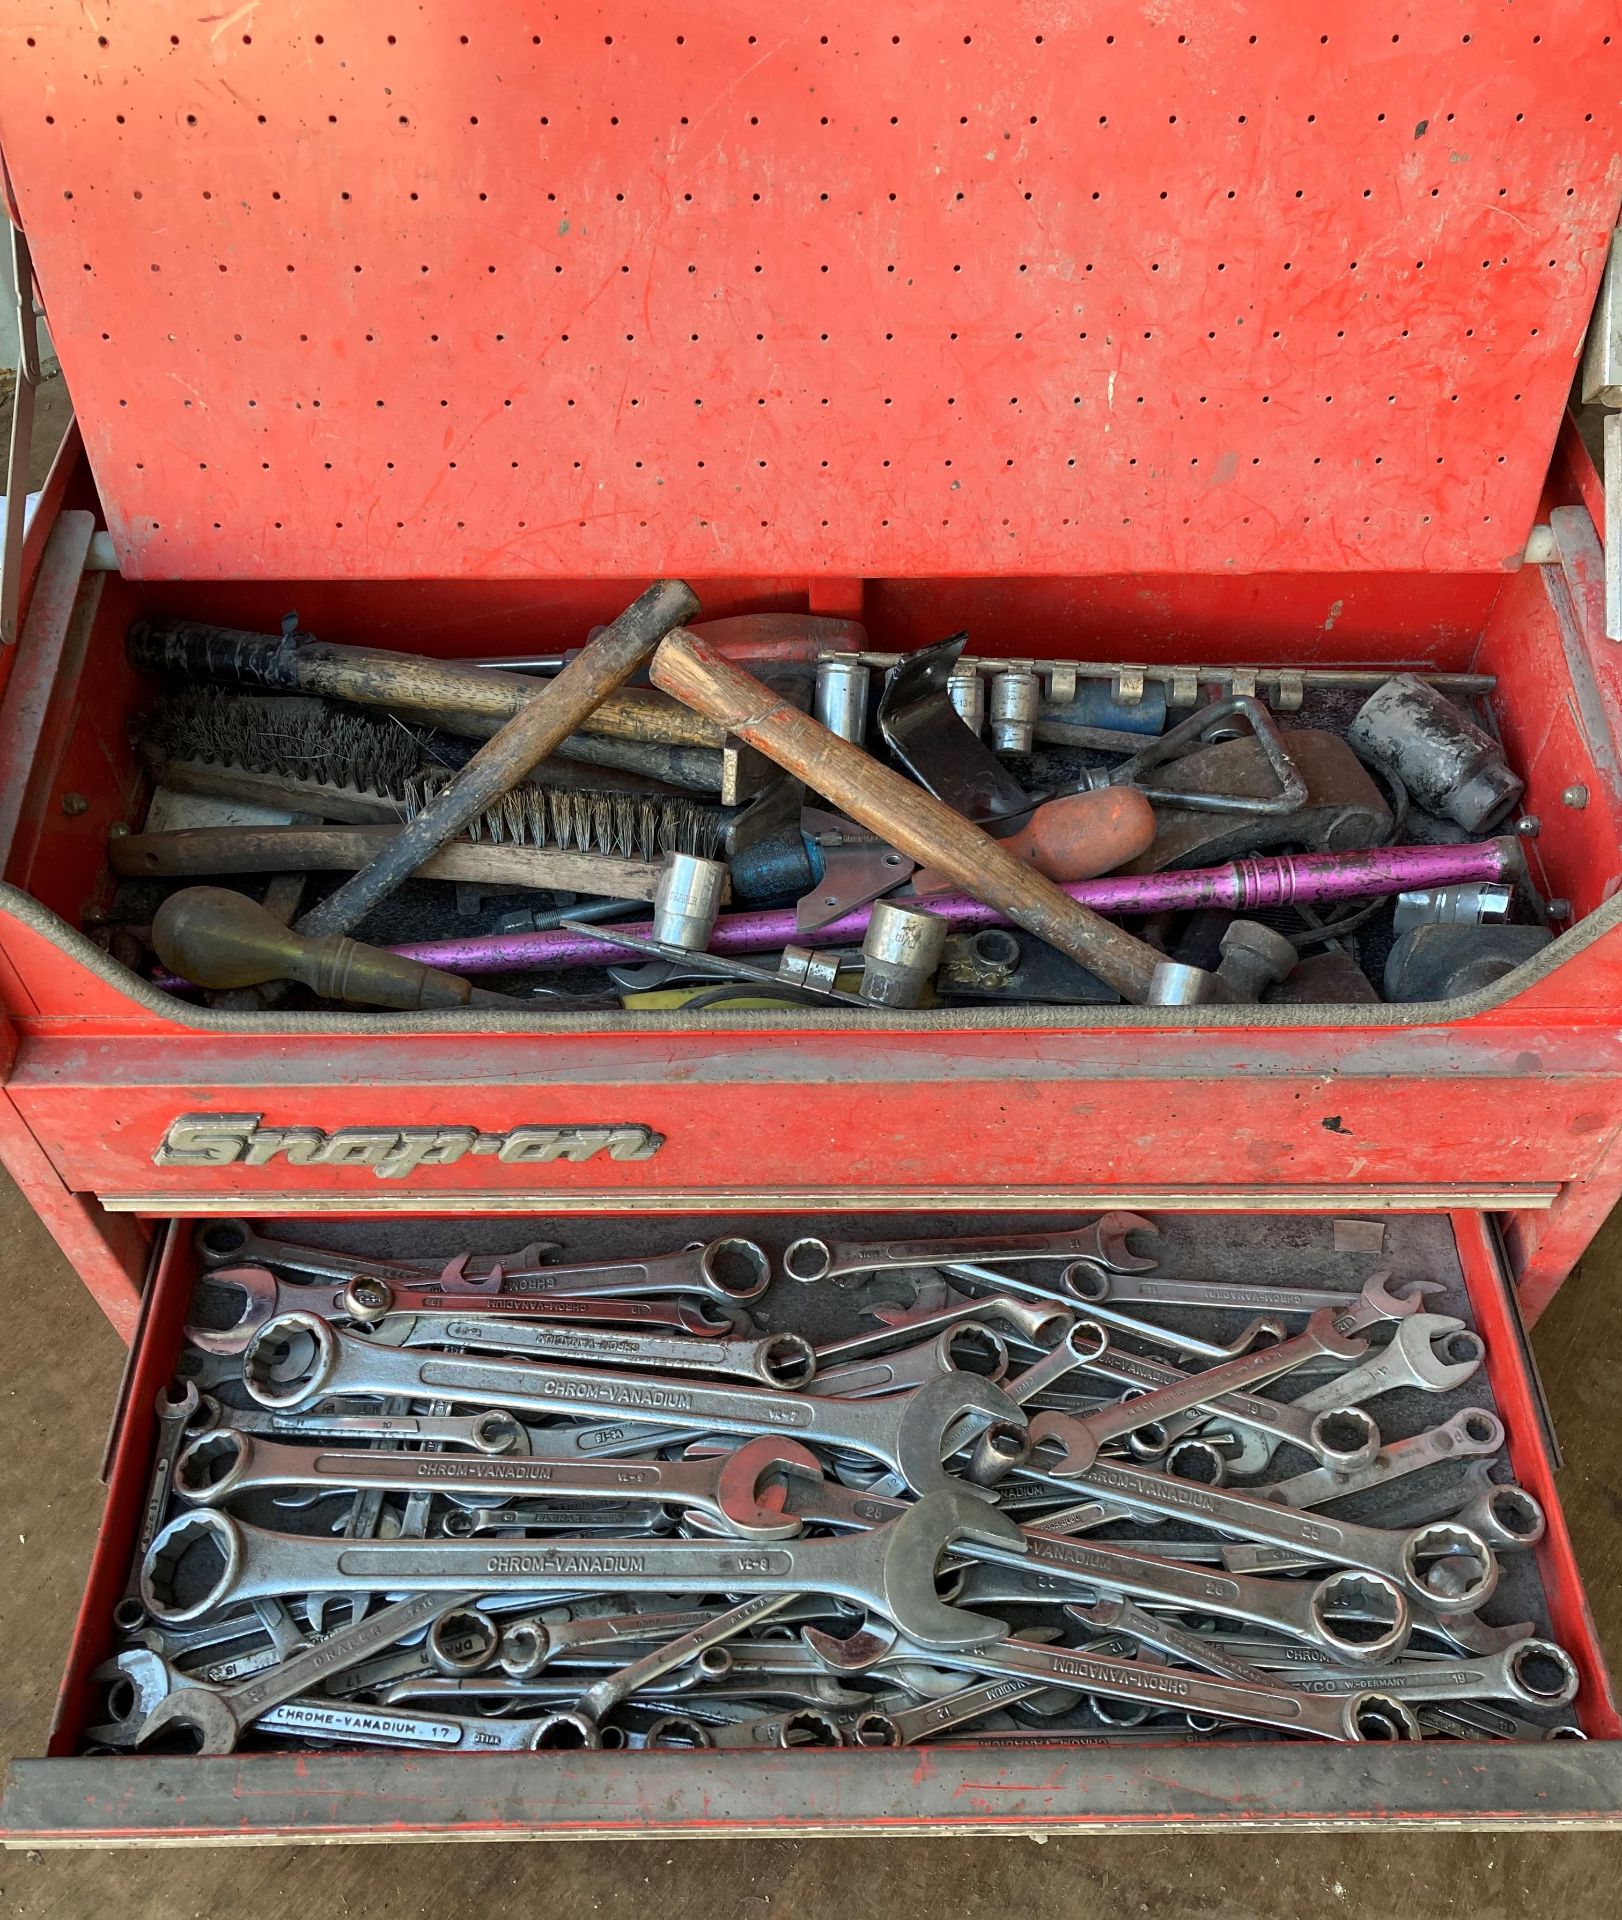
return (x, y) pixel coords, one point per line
(968, 1785)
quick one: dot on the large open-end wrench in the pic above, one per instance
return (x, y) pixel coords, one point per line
(216, 1718)
(1077, 1439)
(1103, 1241)
(1442, 1564)
(1363, 1714)
(905, 1430)
(1353, 1616)
(774, 1359)
(890, 1571)
(217, 1467)
(1038, 1321)
(370, 1298)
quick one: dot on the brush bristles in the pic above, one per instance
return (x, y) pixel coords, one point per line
(633, 826)
(305, 739)
(299, 737)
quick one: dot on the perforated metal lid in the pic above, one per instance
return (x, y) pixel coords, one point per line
(853, 290)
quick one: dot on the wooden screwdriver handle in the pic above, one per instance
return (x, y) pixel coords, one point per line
(924, 828)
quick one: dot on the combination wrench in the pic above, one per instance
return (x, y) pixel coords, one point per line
(1443, 1564)
(1472, 1432)
(1532, 1673)
(216, 1718)
(1077, 1440)
(223, 1243)
(495, 1431)
(1362, 1714)
(369, 1298)
(784, 1360)
(1179, 1339)
(218, 1466)
(1430, 1351)
(1039, 1322)
(1104, 1241)
(176, 1412)
(963, 1348)
(907, 1430)
(1355, 1617)
(890, 1571)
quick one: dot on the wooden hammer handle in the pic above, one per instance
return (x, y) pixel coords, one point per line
(602, 665)
(924, 828)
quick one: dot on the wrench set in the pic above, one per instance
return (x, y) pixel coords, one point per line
(1033, 1485)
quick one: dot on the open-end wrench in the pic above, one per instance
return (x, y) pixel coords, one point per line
(962, 1348)
(218, 1467)
(176, 1410)
(1103, 1241)
(1443, 1564)
(1473, 1431)
(905, 1430)
(1353, 1616)
(891, 1571)
(728, 1270)
(1363, 1714)
(1115, 1616)
(774, 1359)
(1078, 1439)
(216, 1718)
(1038, 1321)
(1177, 1338)
(370, 1298)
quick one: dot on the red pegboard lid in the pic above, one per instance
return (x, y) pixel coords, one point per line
(622, 290)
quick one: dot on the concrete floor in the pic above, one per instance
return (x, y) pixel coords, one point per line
(58, 1375)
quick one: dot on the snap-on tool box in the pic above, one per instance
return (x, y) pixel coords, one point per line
(1146, 337)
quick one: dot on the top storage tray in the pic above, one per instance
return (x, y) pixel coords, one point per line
(430, 293)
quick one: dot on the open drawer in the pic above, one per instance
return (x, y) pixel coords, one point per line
(122, 1101)
(964, 1783)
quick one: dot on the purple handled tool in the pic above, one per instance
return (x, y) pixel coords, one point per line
(1309, 878)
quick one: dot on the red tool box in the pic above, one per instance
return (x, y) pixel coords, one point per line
(1154, 339)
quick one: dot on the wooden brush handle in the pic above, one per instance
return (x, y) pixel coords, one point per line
(924, 828)
(534, 731)
(189, 852)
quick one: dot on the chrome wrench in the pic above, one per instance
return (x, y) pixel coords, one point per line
(774, 1359)
(1056, 1563)
(907, 1431)
(1103, 1241)
(1177, 1338)
(890, 1571)
(369, 1298)
(218, 1466)
(1472, 1432)
(176, 1411)
(1442, 1564)
(964, 1348)
(495, 1431)
(1532, 1673)
(1364, 1714)
(1078, 1439)
(217, 1718)
(1037, 1321)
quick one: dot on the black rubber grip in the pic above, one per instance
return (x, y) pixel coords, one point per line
(196, 650)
